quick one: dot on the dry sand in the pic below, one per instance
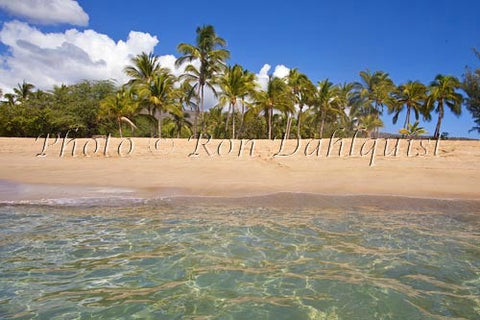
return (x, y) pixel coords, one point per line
(166, 168)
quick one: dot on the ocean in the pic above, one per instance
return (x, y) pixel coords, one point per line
(282, 256)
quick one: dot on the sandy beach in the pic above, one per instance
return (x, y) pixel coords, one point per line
(216, 168)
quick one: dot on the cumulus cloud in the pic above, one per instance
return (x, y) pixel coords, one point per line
(47, 11)
(47, 59)
(263, 76)
(281, 71)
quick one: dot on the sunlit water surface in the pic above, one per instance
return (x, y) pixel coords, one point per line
(173, 262)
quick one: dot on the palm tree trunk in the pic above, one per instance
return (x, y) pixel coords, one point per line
(322, 122)
(151, 112)
(159, 124)
(242, 119)
(202, 114)
(233, 121)
(439, 122)
(228, 119)
(120, 128)
(197, 113)
(270, 111)
(289, 123)
(298, 121)
(407, 118)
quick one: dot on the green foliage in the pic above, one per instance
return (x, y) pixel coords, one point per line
(209, 50)
(120, 107)
(412, 130)
(471, 86)
(369, 123)
(237, 86)
(156, 103)
(442, 91)
(410, 95)
(64, 108)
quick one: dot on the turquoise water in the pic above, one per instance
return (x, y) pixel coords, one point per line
(198, 262)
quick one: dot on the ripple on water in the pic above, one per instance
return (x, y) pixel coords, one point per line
(237, 263)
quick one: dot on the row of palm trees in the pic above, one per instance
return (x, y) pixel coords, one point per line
(155, 91)
(294, 101)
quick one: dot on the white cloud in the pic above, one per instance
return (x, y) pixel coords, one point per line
(47, 11)
(281, 71)
(47, 59)
(262, 76)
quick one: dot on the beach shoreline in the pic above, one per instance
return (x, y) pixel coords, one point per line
(154, 168)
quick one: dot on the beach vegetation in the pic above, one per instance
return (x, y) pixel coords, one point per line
(412, 130)
(226, 101)
(410, 96)
(121, 107)
(205, 61)
(471, 86)
(443, 93)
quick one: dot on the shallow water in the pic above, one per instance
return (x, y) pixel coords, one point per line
(168, 261)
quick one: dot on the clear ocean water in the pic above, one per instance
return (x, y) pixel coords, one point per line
(163, 260)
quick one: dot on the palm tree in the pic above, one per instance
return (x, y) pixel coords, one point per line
(369, 123)
(23, 91)
(143, 69)
(275, 97)
(11, 99)
(210, 53)
(374, 92)
(236, 85)
(374, 89)
(161, 93)
(327, 100)
(442, 92)
(410, 95)
(412, 130)
(346, 104)
(302, 90)
(121, 106)
(178, 124)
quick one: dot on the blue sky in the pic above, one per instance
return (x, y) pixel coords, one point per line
(411, 40)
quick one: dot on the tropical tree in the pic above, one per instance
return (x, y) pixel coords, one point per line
(440, 93)
(327, 100)
(410, 95)
(236, 85)
(346, 103)
(471, 86)
(373, 92)
(11, 100)
(206, 59)
(143, 68)
(121, 106)
(276, 97)
(23, 91)
(178, 125)
(369, 123)
(412, 130)
(302, 90)
(161, 93)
